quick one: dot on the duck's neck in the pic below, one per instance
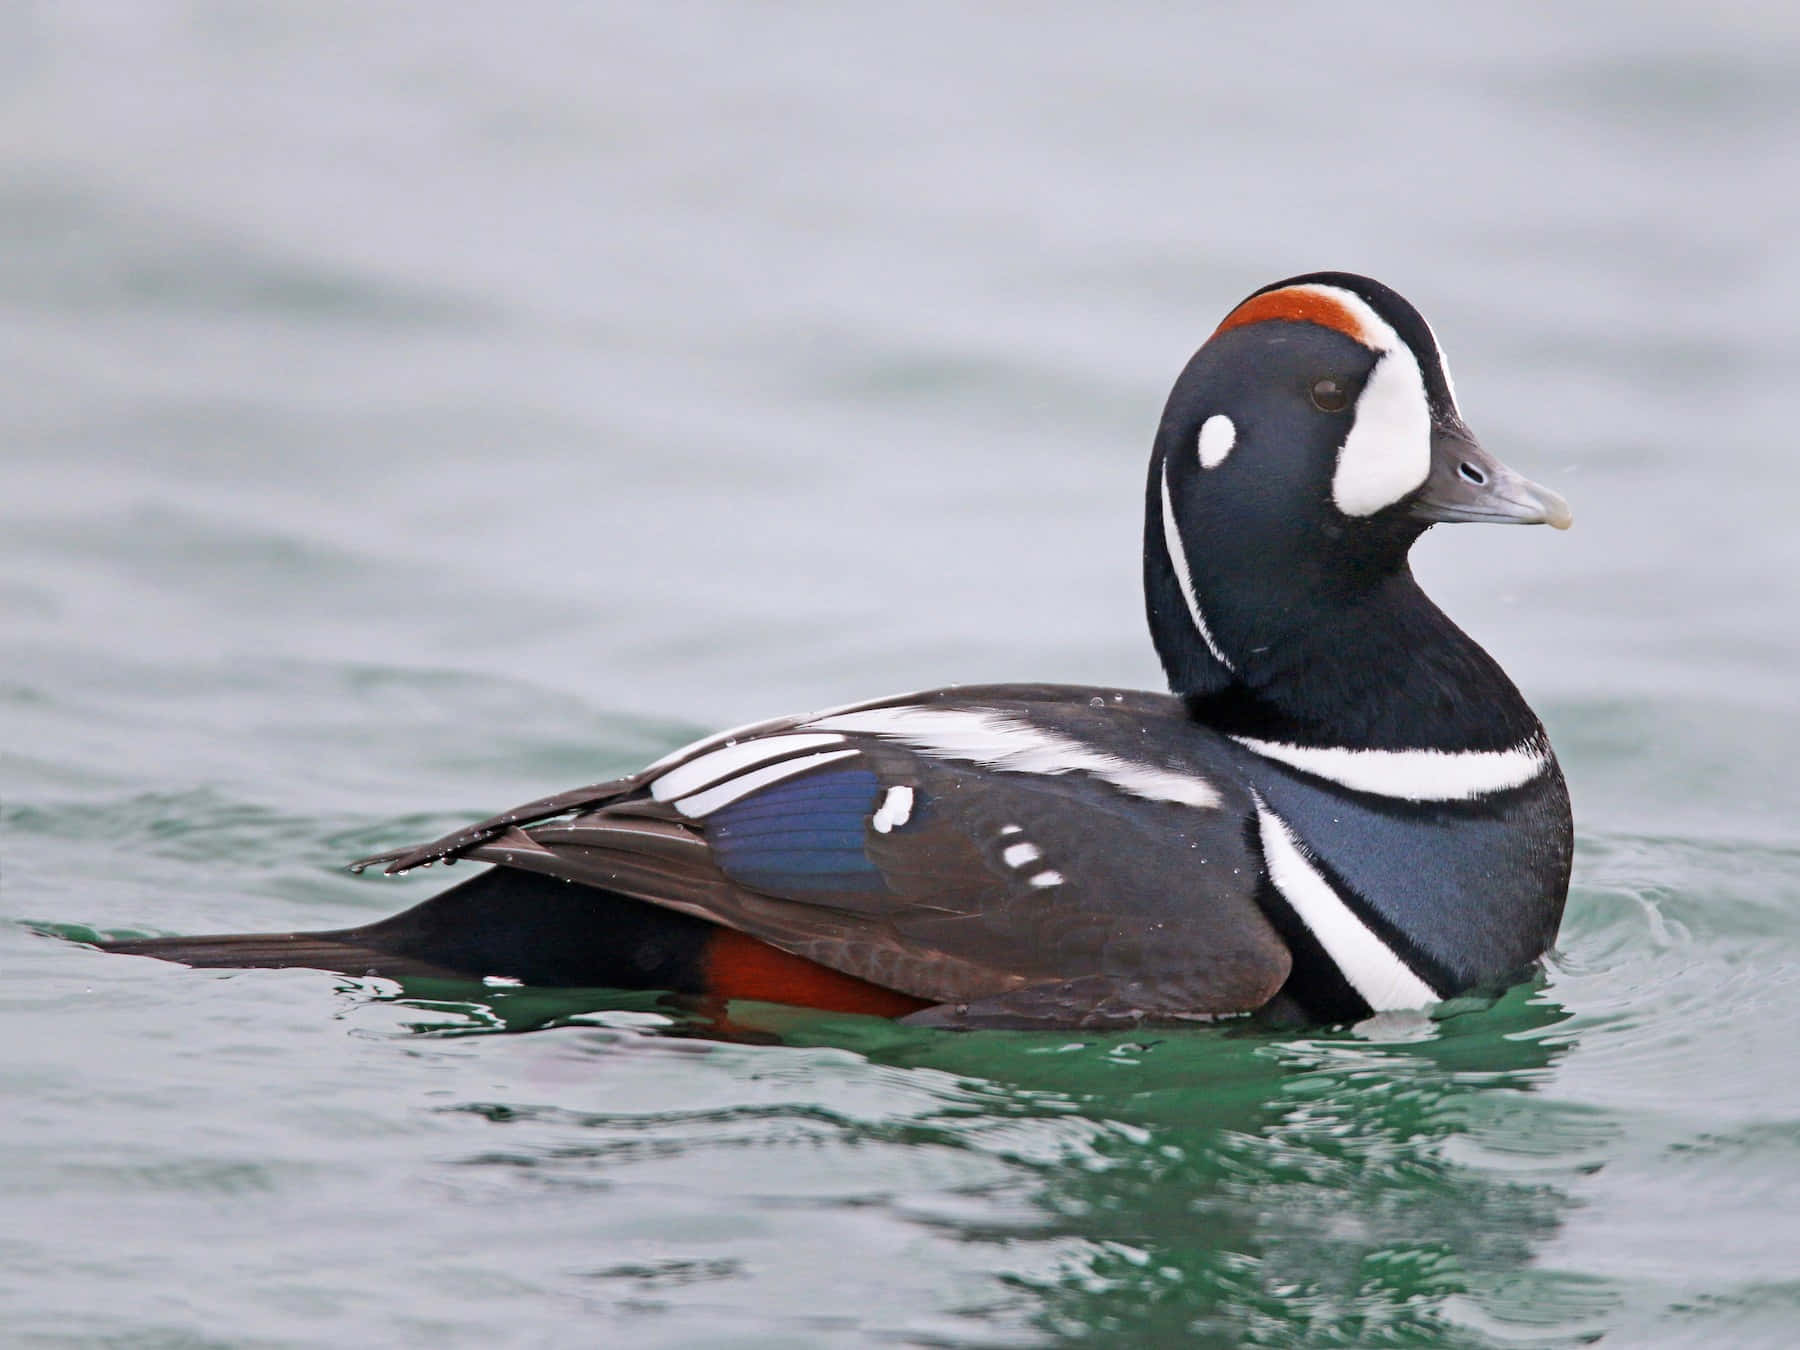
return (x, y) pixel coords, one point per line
(1378, 668)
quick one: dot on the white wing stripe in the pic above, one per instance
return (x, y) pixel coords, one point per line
(730, 736)
(1385, 982)
(732, 759)
(1412, 775)
(1009, 745)
(705, 803)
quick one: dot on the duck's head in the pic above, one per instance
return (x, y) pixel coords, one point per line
(1303, 451)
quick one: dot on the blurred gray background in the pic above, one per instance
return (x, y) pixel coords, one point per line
(688, 356)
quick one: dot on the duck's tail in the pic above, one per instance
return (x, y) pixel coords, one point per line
(343, 951)
(539, 930)
(500, 922)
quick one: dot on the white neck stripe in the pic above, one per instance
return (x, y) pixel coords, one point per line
(1372, 968)
(1412, 775)
(1178, 560)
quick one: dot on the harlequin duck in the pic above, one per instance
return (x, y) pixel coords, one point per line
(1343, 806)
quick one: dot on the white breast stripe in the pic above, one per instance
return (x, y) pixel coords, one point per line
(1003, 742)
(1412, 775)
(1385, 982)
(705, 803)
(722, 763)
(1178, 560)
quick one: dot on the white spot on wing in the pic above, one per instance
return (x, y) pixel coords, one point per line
(1005, 743)
(896, 809)
(1385, 981)
(705, 803)
(1218, 434)
(732, 759)
(1017, 855)
(1011, 829)
(1178, 560)
(1046, 878)
(1412, 775)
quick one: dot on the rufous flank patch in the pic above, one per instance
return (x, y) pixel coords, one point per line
(739, 966)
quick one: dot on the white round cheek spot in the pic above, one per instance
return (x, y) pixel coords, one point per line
(1388, 451)
(1218, 434)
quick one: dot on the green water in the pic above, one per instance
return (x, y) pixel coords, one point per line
(411, 410)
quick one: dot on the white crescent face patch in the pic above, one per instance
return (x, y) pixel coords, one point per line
(1388, 451)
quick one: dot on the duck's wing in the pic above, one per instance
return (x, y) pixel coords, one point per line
(1016, 854)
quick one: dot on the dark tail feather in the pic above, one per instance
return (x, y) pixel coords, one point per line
(501, 922)
(277, 951)
(543, 931)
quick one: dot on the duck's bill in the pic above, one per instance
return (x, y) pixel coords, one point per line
(1467, 483)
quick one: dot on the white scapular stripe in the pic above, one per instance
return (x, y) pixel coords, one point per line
(750, 731)
(1218, 434)
(732, 759)
(1003, 742)
(1178, 560)
(896, 809)
(705, 803)
(1412, 775)
(1017, 855)
(1385, 982)
(731, 736)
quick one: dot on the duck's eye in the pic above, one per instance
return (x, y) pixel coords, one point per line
(1330, 395)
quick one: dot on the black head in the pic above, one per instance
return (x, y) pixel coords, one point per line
(1303, 451)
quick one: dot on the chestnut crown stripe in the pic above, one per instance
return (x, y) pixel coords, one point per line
(1302, 304)
(1387, 452)
(1339, 307)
